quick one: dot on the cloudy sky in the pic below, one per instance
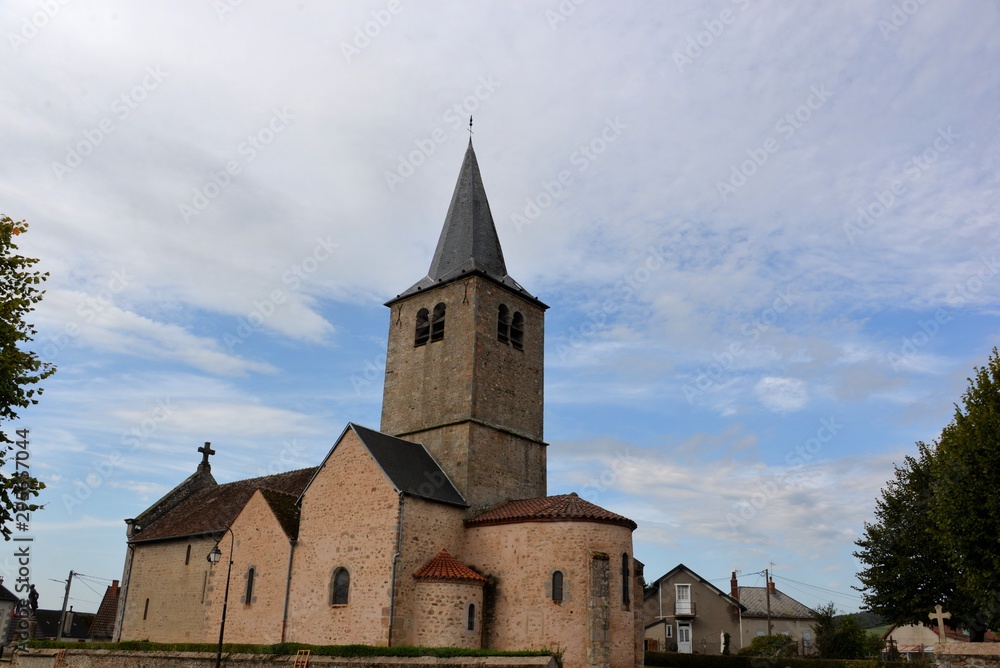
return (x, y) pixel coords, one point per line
(767, 233)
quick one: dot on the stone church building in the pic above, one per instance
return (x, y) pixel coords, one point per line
(435, 530)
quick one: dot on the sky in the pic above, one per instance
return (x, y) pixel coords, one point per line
(767, 232)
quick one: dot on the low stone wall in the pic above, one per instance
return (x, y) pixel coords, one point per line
(102, 658)
(967, 655)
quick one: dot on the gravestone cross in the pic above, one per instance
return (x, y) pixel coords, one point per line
(940, 617)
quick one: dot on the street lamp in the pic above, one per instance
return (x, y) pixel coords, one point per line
(213, 558)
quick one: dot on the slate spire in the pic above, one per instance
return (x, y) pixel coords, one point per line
(469, 243)
(469, 238)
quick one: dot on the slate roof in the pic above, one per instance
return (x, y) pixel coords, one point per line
(559, 508)
(48, 624)
(409, 467)
(446, 568)
(468, 243)
(7, 594)
(285, 509)
(103, 625)
(782, 605)
(214, 508)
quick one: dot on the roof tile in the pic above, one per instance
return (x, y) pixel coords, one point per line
(559, 508)
(446, 568)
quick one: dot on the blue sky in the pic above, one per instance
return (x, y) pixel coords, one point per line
(767, 233)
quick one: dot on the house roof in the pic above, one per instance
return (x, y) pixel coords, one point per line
(559, 508)
(285, 509)
(468, 243)
(446, 568)
(103, 625)
(651, 590)
(782, 605)
(214, 508)
(48, 624)
(6, 594)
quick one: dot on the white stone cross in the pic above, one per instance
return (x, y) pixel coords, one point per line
(940, 617)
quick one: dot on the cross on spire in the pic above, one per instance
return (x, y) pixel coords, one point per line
(205, 451)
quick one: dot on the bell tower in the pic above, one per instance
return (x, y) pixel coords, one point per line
(464, 372)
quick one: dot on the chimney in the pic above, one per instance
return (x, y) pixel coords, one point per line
(770, 586)
(734, 587)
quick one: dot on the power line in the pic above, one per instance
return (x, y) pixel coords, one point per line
(829, 591)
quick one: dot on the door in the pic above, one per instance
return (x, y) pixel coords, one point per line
(684, 637)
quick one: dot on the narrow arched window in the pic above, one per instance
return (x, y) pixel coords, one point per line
(626, 581)
(340, 587)
(557, 587)
(249, 596)
(471, 625)
(503, 324)
(145, 611)
(187, 557)
(423, 332)
(517, 330)
(437, 323)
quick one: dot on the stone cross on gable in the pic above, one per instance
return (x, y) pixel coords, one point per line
(207, 450)
(940, 617)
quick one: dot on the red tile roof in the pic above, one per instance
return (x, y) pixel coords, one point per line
(214, 508)
(559, 508)
(446, 568)
(103, 625)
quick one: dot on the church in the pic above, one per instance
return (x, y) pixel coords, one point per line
(435, 530)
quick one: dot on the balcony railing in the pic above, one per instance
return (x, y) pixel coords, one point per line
(684, 609)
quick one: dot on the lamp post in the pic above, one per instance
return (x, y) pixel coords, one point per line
(213, 557)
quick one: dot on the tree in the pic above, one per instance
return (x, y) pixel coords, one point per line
(773, 647)
(934, 540)
(20, 370)
(842, 637)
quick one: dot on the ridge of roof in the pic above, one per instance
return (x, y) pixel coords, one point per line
(445, 568)
(558, 508)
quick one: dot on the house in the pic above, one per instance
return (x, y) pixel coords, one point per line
(916, 642)
(436, 529)
(686, 613)
(8, 604)
(768, 605)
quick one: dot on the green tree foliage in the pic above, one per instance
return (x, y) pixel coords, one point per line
(774, 647)
(842, 637)
(935, 539)
(20, 369)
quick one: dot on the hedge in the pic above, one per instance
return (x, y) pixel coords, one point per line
(678, 660)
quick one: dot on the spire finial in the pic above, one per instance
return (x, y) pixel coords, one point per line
(470, 128)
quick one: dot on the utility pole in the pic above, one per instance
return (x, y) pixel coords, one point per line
(767, 589)
(62, 617)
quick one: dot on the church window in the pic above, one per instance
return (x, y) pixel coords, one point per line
(626, 581)
(249, 595)
(437, 323)
(557, 587)
(187, 557)
(471, 625)
(145, 610)
(517, 331)
(340, 587)
(503, 325)
(423, 332)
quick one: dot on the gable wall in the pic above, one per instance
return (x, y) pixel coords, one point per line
(713, 615)
(348, 519)
(428, 527)
(175, 591)
(519, 612)
(261, 544)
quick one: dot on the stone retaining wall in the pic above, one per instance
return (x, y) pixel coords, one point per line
(967, 655)
(76, 658)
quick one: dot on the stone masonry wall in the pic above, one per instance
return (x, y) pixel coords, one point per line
(261, 544)
(349, 516)
(173, 577)
(522, 615)
(443, 615)
(75, 658)
(428, 527)
(967, 655)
